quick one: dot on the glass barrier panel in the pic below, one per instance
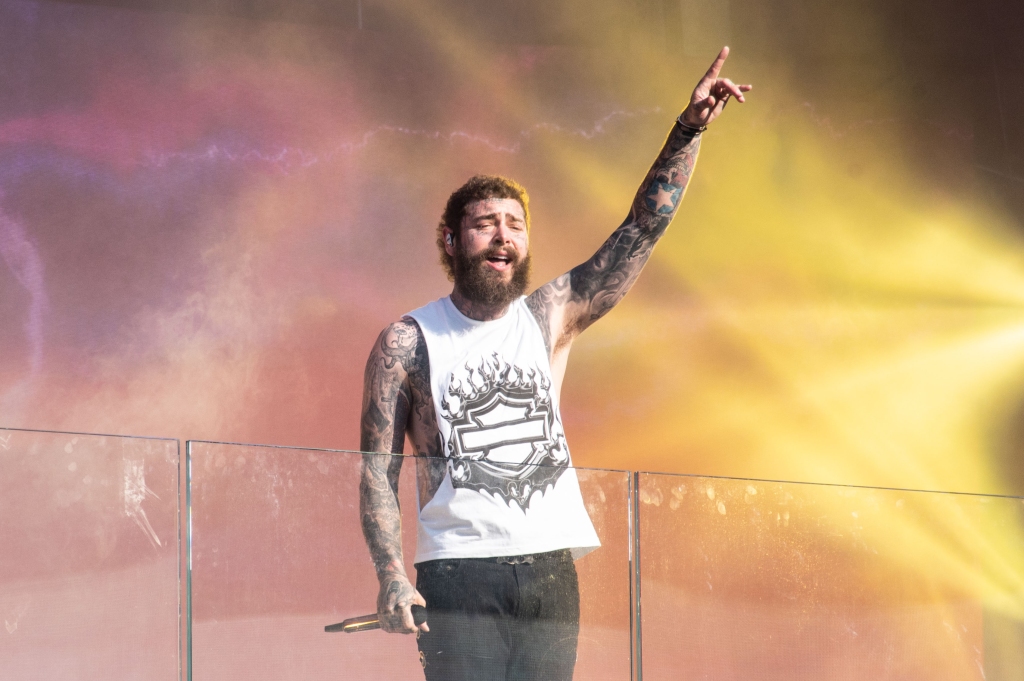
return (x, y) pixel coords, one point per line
(744, 579)
(88, 557)
(277, 554)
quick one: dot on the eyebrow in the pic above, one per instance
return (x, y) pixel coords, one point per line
(491, 216)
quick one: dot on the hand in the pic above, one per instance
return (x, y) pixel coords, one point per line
(712, 94)
(394, 605)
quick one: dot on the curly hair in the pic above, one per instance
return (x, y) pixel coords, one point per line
(477, 188)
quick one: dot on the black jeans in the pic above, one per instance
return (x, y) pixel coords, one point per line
(493, 621)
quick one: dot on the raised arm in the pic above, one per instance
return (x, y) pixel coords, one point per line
(575, 300)
(398, 358)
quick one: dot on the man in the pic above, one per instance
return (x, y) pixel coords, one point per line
(473, 381)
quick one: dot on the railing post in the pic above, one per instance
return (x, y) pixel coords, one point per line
(188, 560)
(636, 637)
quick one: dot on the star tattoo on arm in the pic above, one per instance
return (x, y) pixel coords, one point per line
(570, 303)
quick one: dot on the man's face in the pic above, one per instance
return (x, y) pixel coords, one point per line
(492, 253)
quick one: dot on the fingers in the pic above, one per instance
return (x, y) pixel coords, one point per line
(716, 66)
(419, 600)
(704, 104)
(719, 108)
(399, 620)
(408, 624)
(730, 88)
(713, 93)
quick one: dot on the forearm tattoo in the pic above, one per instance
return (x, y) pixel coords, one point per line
(589, 290)
(603, 280)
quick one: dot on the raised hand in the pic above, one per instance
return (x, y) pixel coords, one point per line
(712, 94)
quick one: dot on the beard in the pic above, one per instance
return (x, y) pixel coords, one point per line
(481, 284)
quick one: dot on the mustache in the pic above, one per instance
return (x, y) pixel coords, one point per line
(509, 252)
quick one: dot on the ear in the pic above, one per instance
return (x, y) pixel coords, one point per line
(449, 241)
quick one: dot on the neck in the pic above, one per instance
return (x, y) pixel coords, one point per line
(477, 310)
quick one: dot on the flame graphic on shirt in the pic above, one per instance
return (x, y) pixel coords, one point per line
(506, 436)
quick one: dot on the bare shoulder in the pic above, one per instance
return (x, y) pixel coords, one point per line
(395, 383)
(398, 359)
(400, 354)
(398, 344)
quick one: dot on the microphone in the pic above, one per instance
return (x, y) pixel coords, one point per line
(368, 622)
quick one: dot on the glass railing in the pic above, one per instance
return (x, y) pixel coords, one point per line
(278, 554)
(749, 579)
(89, 557)
(695, 577)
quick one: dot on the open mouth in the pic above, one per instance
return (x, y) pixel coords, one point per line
(500, 261)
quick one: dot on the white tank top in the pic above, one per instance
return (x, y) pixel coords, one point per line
(509, 488)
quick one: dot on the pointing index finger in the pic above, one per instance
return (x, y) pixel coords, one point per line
(716, 65)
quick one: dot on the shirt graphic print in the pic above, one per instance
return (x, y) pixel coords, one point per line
(506, 437)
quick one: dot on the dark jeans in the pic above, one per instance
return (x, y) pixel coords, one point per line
(492, 621)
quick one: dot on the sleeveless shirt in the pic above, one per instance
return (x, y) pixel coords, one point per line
(509, 487)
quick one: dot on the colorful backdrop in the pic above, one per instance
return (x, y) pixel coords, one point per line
(209, 210)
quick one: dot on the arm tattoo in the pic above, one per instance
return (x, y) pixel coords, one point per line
(602, 281)
(543, 300)
(590, 290)
(433, 467)
(392, 372)
(429, 449)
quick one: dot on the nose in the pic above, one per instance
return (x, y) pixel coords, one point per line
(509, 230)
(503, 233)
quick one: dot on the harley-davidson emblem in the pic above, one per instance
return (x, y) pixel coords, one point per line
(506, 438)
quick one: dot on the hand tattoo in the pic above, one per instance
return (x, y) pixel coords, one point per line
(396, 592)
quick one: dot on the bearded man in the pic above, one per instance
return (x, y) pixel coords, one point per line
(473, 381)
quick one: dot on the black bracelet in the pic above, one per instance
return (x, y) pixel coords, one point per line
(686, 126)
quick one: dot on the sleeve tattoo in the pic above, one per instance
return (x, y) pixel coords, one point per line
(396, 368)
(590, 289)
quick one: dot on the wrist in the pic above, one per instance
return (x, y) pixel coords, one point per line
(391, 571)
(686, 125)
